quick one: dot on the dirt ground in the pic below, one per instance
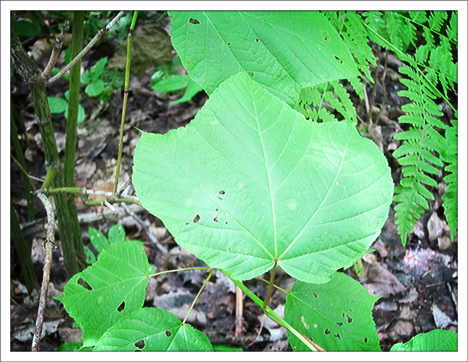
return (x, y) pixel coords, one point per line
(418, 283)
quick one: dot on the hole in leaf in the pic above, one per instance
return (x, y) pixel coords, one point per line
(337, 336)
(216, 210)
(121, 307)
(343, 314)
(138, 350)
(256, 40)
(365, 340)
(194, 21)
(339, 324)
(349, 318)
(222, 192)
(315, 326)
(140, 344)
(295, 348)
(341, 62)
(325, 35)
(226, 222)
(229, 43)
(187, 223)
(350, 310)
(216, 219)
(251, 74)
(221, 198)
(196, 219)
(168, 333)
(327, 331)
(315, 295)
(84, 284)
(229, 249)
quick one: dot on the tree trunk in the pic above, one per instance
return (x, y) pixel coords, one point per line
(69, 227)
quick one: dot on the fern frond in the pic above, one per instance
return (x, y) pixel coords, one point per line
(312, 101)
(452, 29)
(436, 20)
(450, 197)
(376, 22)
(415, 152)
(418, 16)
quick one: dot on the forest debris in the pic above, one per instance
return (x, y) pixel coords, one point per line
(277, 333)
(380, 247)
(379, 281)
(435, 227)
(25, 332)
(418, 229)
(402, 329)
(151, 45)
(410, 297)
(444, 242)
(70, 334)
(440, 318)
(407, 313)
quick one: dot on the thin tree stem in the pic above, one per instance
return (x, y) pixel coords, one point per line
(124, 106)
(49, 247)
(270, 287)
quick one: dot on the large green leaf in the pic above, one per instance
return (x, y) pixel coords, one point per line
(283, 51)
(151, 329)
(250, 181)
(437, 340)
(111, 289)
(337, 315)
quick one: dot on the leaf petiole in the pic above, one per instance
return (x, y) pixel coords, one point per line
(276, 318)
(177, 270)
(196, 298)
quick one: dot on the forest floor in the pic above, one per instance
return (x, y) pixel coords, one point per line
(418, 283)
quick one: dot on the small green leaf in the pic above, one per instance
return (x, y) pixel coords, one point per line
(57, 105)
(116, 233)
(337, 315)
(111, 289)
(26, 28)
(438, 340)
(172, 83)
(192, 89)
(151, 329)
(68, 55)
(95, 88)
(90, 257)
(98, 239)
(81, 113)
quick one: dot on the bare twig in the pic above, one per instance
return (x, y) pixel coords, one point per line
(239, 312)
(453, 297)
(49, 247)
(98, 36)
(55, 53)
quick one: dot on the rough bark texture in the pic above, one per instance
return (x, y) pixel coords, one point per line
(69, 228)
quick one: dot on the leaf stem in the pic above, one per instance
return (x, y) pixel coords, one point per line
(274, 285)
(124, 106)
(276, 318)
(199, 292)
(270, 286)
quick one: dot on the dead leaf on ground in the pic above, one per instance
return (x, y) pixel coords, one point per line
(379, 281)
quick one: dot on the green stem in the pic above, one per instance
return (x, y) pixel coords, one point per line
(196, 298)
(74, 100)
(274, 285)
(275, 317)
(124, 106)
